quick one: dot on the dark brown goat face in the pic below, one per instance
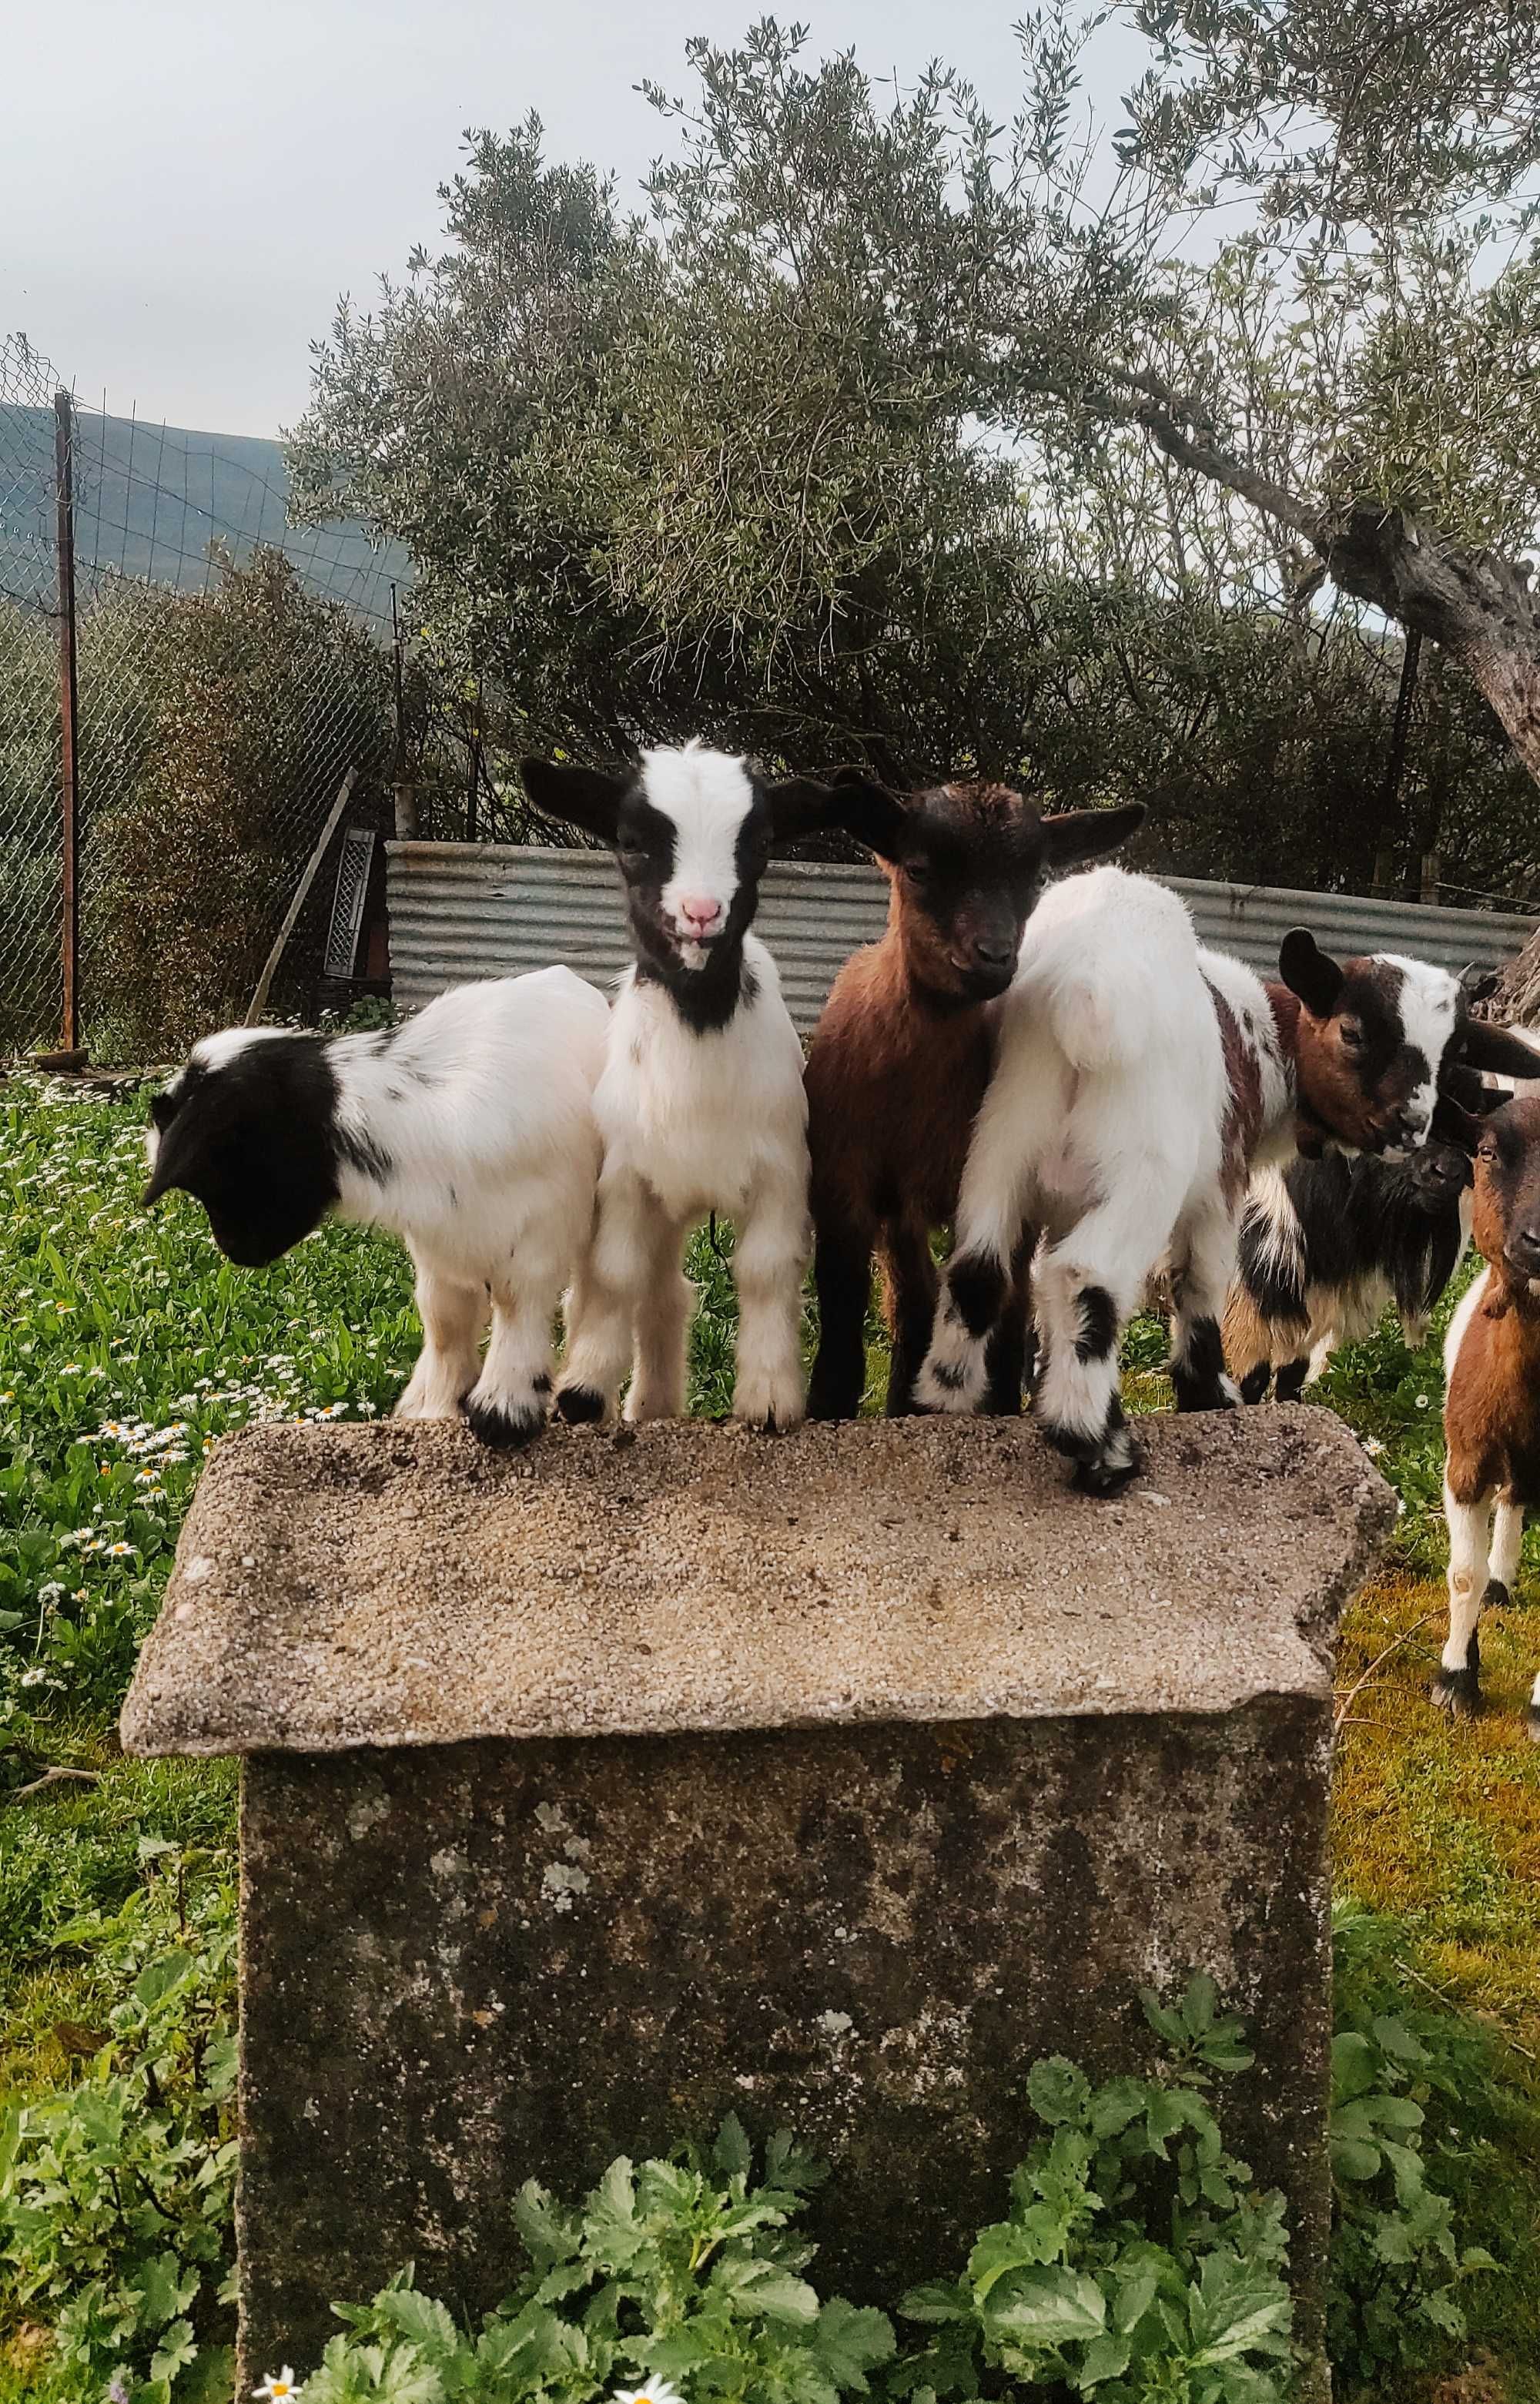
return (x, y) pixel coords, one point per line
(967, 863)
(1507, 1221)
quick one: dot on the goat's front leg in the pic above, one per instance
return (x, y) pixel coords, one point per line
(659, 1371)
(605, 1296)
(769, 1260)
(1084, 1289)
(913, 1282)
(508, 1406)
(990, 1233)
(1202, 1266)
(842, 1277)
(453, 1316)
(1457, 1687)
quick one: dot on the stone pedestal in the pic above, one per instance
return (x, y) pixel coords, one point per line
(829, 1780)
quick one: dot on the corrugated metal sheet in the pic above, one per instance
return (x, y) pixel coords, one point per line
(474, 909)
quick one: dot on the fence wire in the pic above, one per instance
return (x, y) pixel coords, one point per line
(31, 813)
(231, 669)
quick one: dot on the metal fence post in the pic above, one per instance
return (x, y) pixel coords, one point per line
(63, 444)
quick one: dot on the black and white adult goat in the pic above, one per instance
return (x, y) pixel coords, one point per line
(1139, 1081)
(468, 1131)
(701, 1104)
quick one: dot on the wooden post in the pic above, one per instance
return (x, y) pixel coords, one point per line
(63, 445)
(270, 967)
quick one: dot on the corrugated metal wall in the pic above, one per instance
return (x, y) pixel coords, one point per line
(472, 910)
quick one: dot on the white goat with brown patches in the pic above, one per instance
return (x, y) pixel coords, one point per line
(1139, 1080)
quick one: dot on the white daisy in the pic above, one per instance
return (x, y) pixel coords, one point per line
(657, 2390)
(278, 2387)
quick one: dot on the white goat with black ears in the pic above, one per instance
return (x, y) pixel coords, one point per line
(701, 1104)
(468, 1131)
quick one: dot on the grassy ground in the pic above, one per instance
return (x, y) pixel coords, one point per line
(128, 1346)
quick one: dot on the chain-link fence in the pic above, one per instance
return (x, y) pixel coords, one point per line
(229, 670)
(31, 803)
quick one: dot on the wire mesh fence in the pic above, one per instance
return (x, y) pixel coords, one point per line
(229, 670)
(31, 807)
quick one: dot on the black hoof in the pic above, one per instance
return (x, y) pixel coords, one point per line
(1531, 1723)
(1458, 1692)
(1102, 1477)
(503, 1430)
(1200, 1394)
(580, 1405)
(1254, 1384)
(1497, 1596)
(1071, 1442)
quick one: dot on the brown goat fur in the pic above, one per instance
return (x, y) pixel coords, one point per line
(901, 1057)
(1491, 1407)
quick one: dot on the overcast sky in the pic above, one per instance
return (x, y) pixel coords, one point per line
(187, 186)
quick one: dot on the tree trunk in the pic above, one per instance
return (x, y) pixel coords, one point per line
(1475, 605)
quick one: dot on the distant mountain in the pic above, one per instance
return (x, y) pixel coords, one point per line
(150, 500)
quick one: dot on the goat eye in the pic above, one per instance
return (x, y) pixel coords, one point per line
(1353, 1037)
(916, 871)
(633, 861)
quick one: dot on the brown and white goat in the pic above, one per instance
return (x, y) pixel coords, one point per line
(901, 1057)
(1492, 1402)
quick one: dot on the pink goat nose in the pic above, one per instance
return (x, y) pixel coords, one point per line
(696, 910)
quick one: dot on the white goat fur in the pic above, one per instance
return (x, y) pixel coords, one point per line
(1104, 1126)
(481, 1110)
(695, 1120)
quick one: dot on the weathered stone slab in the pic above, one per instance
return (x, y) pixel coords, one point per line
(831, 1780)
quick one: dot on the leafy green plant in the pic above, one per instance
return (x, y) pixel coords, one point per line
(116, 2193)
(1136, 2260)
(1396, 2261)
(680, 2269)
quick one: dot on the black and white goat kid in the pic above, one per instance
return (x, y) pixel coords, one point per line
(701, 1105)
(468, 1131)
(1327, 1246)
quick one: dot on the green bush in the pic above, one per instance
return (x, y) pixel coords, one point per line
(115, 2194)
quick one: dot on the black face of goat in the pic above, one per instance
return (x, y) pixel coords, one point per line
(249, 1128)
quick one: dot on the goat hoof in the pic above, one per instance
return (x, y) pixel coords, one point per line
(1103, 1477)
(1531, 1723)
(1457, 1692)
(501, 1429)
(581, 1405)
(1203, 1393)
(1497, 1596)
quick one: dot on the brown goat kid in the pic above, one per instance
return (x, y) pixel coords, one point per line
(1491, 1407)
(901, 1057)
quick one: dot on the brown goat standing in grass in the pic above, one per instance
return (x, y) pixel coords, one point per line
(1491, 1404)
(902, 1055)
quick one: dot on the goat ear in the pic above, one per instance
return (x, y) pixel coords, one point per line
(1495, 1049)
(869, 811)
(1468, 1091)
(180, 1156)
(1453, 1123)
(800, 805)
(1088, 835)
(1480, 983)
(1310, 971)
(580, 797)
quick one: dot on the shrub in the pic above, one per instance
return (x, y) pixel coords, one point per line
(115, 2194)
(263, 698)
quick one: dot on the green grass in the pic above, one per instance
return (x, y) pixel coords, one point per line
(128, 1346)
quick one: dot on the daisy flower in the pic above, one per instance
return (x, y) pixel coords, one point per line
(658, 2391)
(278, 2387)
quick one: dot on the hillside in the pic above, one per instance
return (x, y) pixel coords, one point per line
(150, 500)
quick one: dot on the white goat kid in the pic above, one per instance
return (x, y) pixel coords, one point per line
(701, 1104)
(468, 1131)
(1140, 1082)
